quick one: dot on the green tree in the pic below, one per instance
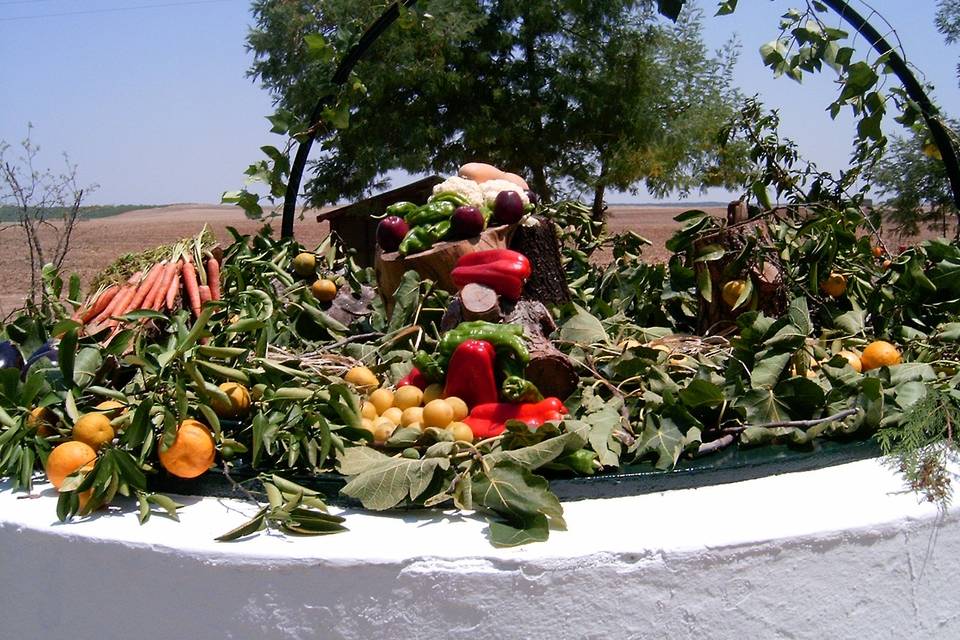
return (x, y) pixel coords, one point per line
(575, 96)
(913, 175)
(948, 22)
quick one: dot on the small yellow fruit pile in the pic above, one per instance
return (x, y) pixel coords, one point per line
(386, 410)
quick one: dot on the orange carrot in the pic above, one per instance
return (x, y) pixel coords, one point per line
(213, 278)
(155, 286)
(174, 287)
(156, 299)
(99, 304)
(145, 287)
(126, 291)
(191, 286)
(204, 293)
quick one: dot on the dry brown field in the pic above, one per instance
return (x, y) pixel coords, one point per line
(97, 243)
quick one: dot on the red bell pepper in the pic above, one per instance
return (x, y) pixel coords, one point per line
(471, 374)
(502, 270)
(414, 378)
(488, 420)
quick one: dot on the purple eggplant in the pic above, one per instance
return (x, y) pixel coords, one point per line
(47, 350)
(10, 356)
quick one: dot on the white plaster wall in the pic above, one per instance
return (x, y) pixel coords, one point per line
(834, 553)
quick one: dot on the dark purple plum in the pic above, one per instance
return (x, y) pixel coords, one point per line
(466, 222)
(508, 207)
(390, 232)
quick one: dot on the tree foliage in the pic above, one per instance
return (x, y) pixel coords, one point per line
(948, 22)
(575, 96)
(912, 174)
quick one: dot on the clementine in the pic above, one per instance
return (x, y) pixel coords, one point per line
(879, 353)
(67, 458)
(192, 451)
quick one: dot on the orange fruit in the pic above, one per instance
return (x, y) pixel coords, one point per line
(879, 353)
(853, 360)
(305, 264)
(362, 377)
(324, 290)
(191, 453)
(43, 420)
(239, 401)
(887, 264)
(67, 458)
(732, 291)
(93, 429)
(111, 408)
(382, 399)
(835, 285)
(461, 431)
(877, 252)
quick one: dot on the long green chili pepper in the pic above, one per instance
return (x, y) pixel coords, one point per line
(431, 213)
(456, 199)
(504, 337)
(401, 209)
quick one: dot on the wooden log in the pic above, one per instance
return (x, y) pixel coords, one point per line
(479, 302)
(435, 263)
(549, 369)
(537, 239)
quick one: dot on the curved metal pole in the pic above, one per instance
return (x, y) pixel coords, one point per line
(340, 76)
(913, 88)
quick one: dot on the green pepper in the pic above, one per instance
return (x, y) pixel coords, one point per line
(456, 199)
(504, 337)
(423, 237)
(517, 389)
(581, 461)
(402, 209)
(428, 366)
(430, 213)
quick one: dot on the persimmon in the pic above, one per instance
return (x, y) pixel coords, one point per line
(879, 353)
(239, 404)
(67, 458)
(835, 285)
(324, 290)
(93, 429)
(732, 291)
(192, 451)
(43, 420)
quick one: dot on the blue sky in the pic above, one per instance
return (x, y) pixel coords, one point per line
(152, 102)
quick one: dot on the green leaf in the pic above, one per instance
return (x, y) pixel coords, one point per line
(537, 455)
(517, 495)
(535, 528)
(253, 525)
(407, 299)
(769, 369)
(701, 393)
(390, 482)
(705, 284)
(583, 328)
(68, 354)
(85, 368)
(664, 441)
(762, 406)
(852, 322)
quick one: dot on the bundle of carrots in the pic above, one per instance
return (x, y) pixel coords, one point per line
(156, 288)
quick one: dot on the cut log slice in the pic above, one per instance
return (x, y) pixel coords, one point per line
(435, 263)
(479, 302)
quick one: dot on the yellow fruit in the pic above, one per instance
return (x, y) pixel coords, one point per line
(407, 396)
(67, 458)
(879, 354)
(362, 377)
(415, 425)
(111, 408)
(835, 285)
(367, 424)
(324, 290)
(43, 420)
(393, 414)
(239, 397)
(382, 430)
(93, 429)
(191, 453)
(461, 431)
(369, 411)
(382, 399)
(305, 264)
(732, 291)
(853, 360)
(411, 415)
(438, 414)
(431, 393)
(460, 410)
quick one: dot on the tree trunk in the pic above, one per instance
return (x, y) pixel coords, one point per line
(598, 206)
(538, 241)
